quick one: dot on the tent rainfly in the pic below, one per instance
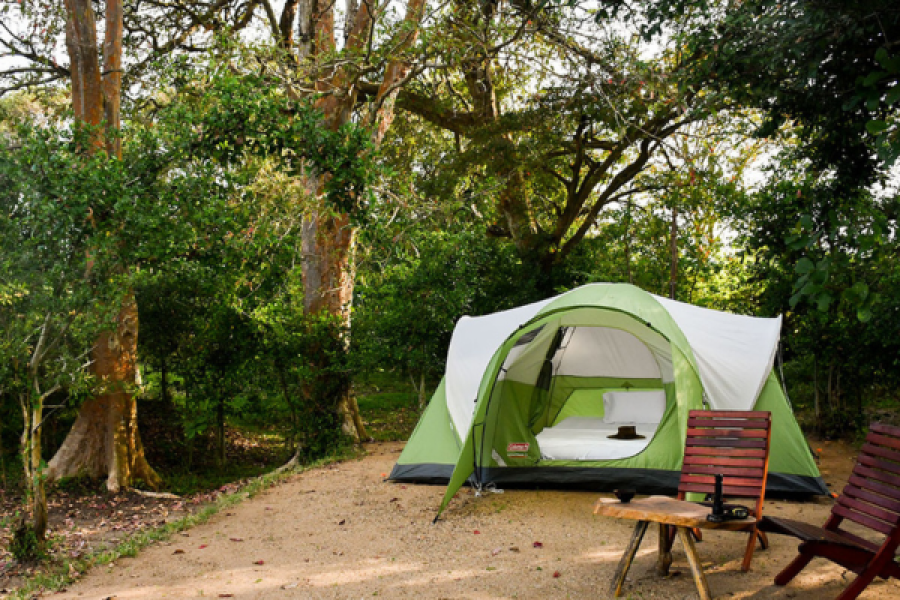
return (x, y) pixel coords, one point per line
(547, 395)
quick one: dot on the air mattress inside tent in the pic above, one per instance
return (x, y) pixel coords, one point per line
(587, 438)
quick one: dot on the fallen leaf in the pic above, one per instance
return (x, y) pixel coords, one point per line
(513, 548)
(538, 544)
(556, 573)
(178, 551)
(476, 532)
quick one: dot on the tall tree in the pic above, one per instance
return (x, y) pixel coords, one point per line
(104, 441)
(313, 61)
(333, 73)
(558, 113)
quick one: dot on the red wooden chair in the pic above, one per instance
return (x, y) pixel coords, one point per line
(734, 444)
(871, 500)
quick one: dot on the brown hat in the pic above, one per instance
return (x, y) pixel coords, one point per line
(626, 432)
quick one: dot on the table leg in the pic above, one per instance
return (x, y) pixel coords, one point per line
(665, 550)
(622, 570)
(696, 568)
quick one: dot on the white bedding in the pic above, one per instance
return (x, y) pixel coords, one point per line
(585, 438)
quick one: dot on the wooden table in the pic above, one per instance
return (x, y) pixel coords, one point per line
(667, 512)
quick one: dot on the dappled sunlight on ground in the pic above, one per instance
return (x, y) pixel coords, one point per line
(343, 576)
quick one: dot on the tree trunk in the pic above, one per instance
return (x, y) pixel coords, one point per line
(36, 500)
(104, 439)
(628, 243)
(419, 389)
(673, 255)
(830, 389)
(328, 249)
(111, 79)
(164, 383)
(329, 240)
(291, 436)
(2, 458)
(220, 428)
(38, 489)
(816, 401)
(81, 42)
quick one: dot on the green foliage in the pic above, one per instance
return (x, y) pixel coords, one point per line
(232, 353)
(825, 258)
(202, 218)
(830, 66)
(62, 274)
(412, 289)
(235, 115)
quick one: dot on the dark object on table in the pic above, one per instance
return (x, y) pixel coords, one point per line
(734, 443)
(625, 495)
(626, 432)
(872, 500)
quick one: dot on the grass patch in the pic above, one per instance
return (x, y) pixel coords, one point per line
(66, 572)
(388, 404)
(389, 416)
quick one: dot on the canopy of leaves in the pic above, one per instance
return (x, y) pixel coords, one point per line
(832, 66)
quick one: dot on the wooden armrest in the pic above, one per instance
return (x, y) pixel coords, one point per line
(812, 533)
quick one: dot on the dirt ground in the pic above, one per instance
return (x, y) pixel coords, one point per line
(342, 532)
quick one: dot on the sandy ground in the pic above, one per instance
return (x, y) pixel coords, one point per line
(342, 532)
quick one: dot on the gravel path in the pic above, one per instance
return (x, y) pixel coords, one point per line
(342, 532)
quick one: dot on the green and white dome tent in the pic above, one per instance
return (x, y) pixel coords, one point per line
(545, 395)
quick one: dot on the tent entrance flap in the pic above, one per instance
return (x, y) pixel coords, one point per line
(586, 385)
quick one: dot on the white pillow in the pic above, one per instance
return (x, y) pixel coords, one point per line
(631, 408)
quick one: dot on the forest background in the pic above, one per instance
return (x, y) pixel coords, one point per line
(249, 217)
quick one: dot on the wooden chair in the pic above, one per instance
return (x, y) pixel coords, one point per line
(872, 501)
(734, 444)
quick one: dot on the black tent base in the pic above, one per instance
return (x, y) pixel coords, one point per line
(597, 479)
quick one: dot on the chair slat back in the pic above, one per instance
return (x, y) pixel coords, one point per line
(734, 444)
(872, 495)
